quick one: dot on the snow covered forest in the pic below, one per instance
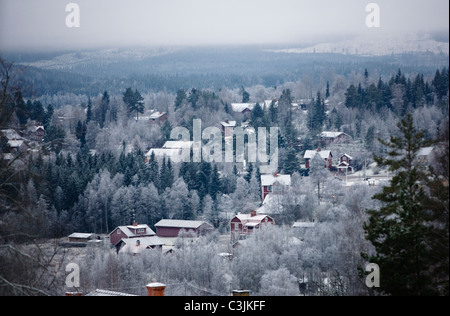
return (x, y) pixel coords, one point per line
(90, 173)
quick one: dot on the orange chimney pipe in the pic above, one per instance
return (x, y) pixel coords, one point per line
(156, 289)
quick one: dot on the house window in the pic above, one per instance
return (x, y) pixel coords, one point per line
(141, 230)
(119, 232)
(236, 226)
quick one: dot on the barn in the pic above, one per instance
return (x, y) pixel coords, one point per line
(172, 227)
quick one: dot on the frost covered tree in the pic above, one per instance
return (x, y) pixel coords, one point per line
(279, 283)
(177, 201)
(318, 173)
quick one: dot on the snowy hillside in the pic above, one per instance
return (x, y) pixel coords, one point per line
(378, 45)
(102, 56)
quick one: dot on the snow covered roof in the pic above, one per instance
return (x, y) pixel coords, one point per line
(267, 103)
(240, 107)
(157, 115)
(137, 245)
(332, 134)
(348, 156)
(343, 164)
(81, 235)
(325, 154)
(128, 232)
(108, 293)
(272, 204)
(248, 218)
(15, 143)
(176, 223)
(10, 134)
(270, 179)
(303, 225)
(178, 144)
(175, 154)
(425, 151)
(229, 123)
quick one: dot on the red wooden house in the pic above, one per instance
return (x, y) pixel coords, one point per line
(242, 225)
(39, 133)
(334, 137)
(275, 183)
(344, 164)
(131, 231)
(158, 117)
(326, 155)
(228, 127)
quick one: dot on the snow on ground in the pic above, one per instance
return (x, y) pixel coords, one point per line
(377, 45)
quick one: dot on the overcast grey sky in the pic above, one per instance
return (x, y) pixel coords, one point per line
(42, 23)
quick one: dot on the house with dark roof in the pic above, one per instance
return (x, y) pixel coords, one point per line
(334, 137)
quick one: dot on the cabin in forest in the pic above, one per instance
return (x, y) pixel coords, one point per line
(158, 117)
(243, 108)
(326, 155)
(39, 133)
(344, 164)
(228, 127)
(242, 225)
(327, 138)
(274, 183)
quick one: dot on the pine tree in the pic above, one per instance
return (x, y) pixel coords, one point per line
(215, 185)
(21, 108)
(89, 111)
(181, 97)
(352, 97)
(245, 95)
(317, 116)
(400, 230)
(273, 112)
(437, 202)
(249, 173)
(133, 100)
(291, 162)
(104, 107)
(327, 92)
(166, 175)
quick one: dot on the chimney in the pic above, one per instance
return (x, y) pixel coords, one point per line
(319, 149)
(135, 223)
(156, 289)
(252, 213)
(275, 174)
